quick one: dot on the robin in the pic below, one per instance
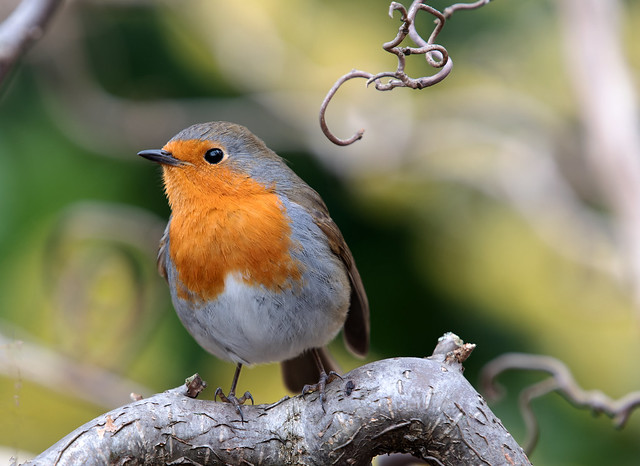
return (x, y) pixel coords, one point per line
(257, 269)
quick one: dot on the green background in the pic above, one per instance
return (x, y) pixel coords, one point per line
(418, 200)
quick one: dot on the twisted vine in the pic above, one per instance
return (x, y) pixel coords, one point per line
(435, 55)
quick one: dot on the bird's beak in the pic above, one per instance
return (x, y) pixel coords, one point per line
(161, 156)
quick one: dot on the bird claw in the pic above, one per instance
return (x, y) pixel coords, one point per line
(231, 398)
(321, 386)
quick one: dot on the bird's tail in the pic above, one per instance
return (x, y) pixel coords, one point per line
(303, 370)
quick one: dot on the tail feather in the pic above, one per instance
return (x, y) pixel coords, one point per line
(302, 370)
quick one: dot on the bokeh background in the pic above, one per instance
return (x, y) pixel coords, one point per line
(500, 204)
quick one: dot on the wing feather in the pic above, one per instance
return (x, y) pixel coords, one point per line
(356, 327)
(162, 253)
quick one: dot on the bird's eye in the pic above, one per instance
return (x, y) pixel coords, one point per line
(214, 155)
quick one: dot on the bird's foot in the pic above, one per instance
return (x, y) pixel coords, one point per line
(231, 398)
(321, 385)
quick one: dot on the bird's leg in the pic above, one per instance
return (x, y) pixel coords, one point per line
(324, 379)
(231, 397)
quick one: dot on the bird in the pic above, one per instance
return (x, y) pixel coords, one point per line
(257, 269)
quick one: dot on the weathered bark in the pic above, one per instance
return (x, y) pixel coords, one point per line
(420, 406)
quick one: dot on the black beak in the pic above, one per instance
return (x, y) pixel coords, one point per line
(161, 156)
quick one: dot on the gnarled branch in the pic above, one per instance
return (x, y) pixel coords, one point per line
(420, 406)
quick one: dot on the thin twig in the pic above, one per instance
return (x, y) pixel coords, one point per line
(530, 421)
(323, 108)
(426, 48)
(435, 55)
(22, 28)
(463, 6)
(562, 381)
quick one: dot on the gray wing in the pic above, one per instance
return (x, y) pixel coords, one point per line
(162, 266)
(356, 327)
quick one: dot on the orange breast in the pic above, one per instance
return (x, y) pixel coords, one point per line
(231, 224)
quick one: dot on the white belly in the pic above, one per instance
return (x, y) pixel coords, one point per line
(251, 324)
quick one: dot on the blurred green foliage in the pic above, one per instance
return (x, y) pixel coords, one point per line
(436, 254)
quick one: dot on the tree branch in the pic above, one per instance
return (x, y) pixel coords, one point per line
(607, 99)
(420, 406)
(560, 380)
(21, 29)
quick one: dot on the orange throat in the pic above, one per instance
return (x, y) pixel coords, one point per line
(245, 233)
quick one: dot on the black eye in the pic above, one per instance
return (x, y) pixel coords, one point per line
(214, 155)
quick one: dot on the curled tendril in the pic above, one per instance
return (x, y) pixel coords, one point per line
(560, 380)
(463, 6)
(435, 55)
(323, 108)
